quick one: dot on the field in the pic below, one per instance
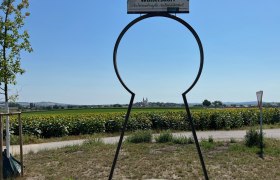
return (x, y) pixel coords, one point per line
(91, 121)
(224, 160)
(101, 110)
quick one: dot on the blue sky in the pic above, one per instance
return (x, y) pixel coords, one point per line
(73, 45)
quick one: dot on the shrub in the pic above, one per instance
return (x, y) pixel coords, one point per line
(140, 137)
(180, 140)
(252, 138)
(210, 139)
(190, 140)
(164, 137)
(232, 140)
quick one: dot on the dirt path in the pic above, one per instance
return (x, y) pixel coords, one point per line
(217, 135)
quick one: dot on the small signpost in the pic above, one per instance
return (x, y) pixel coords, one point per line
(259, 98)
(156, 6)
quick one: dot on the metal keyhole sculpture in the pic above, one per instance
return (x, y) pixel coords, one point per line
(166, 15)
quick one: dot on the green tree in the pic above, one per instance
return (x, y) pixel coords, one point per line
(206, 103)
(217, 103)
(13, 40)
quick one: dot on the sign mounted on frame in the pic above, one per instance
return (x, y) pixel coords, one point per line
(259, 98)
(156, 6)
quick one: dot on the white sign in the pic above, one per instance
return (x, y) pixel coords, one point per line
(259, 98)
(150, 6)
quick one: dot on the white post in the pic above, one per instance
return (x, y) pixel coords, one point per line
(7, 130)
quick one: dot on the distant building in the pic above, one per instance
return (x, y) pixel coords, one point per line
(145, 102)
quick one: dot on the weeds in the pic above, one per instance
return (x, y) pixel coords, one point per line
(164, 137)
(206, 144)
(180, 140)
(140, 137)
(210, 139)
(252, 138)
(232, 140)
(190, 140)
(30, 139)
(93, 142)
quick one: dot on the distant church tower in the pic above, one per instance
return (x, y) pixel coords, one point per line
(145, 102)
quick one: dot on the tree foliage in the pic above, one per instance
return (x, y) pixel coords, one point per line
(206, 103)
(217, 103)
(13, 40)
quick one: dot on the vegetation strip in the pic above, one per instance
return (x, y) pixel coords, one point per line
(58, 125)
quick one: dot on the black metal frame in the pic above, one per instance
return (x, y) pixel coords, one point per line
(166, 15)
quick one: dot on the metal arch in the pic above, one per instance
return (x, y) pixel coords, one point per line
(159, 15)
(183, 94)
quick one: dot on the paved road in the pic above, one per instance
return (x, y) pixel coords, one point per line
(217, 135)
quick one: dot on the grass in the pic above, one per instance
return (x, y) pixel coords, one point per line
(93, 142)
(180, 140)
(265, 126)
(140, 137)
(207, 144)
(29, 139)
(93, 160)
(165, 136)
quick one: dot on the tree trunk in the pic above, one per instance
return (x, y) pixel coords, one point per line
(7, 121)
(6, 83)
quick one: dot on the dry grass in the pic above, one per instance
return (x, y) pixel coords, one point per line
(29, 139)
(155, 160)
